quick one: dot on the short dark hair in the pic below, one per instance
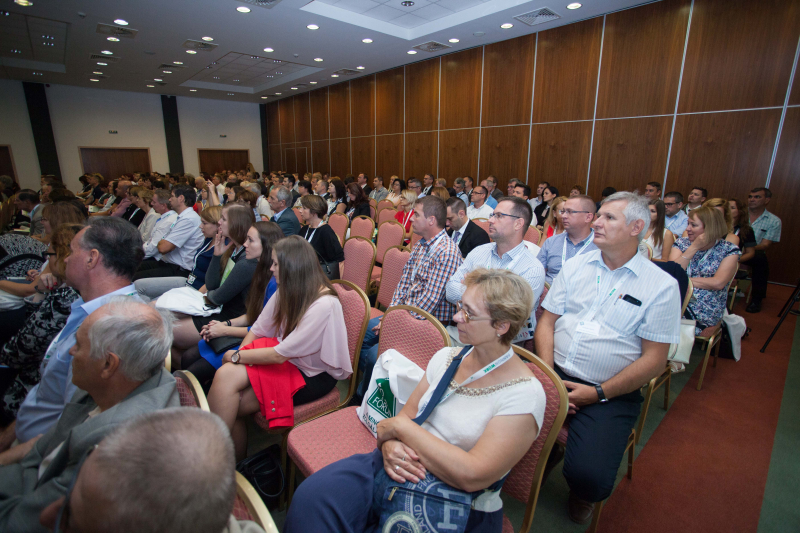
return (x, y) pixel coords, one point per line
(586, 201)
(415, 180)
(315, 204)
(304, 184)
(521, 208)
(655, 184)
(291, 179)
(188, 193)
(159, 184)
(767, 192)
(456, 204)
(118, 242)
(433, 206)
(526, 189)
(702, 191)
(675, 195)
(608, 191)
(545, 183)
(28, 195)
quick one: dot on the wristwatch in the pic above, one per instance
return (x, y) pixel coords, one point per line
(601, 396)
(235, 358)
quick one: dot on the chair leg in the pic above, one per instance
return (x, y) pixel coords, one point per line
(705, 363)
(716, 348)
(667, 385)
(643, 416)
(598, 508)
(284, 458)
(631, 451)
(292, 480)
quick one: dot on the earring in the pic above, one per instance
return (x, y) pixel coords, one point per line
(498, 335)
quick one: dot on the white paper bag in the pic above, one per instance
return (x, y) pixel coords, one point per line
(393, 380)
(186, 300)
(736, 329)
(680, 352)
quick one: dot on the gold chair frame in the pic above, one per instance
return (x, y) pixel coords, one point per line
(255, 505)
(194, 386)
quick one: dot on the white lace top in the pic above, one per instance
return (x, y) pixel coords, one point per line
(461, 419)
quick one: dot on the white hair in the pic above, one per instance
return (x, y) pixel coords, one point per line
(140, 335)
(636, 208)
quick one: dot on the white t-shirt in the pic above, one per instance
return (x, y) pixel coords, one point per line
(463, 417)
(483, 211)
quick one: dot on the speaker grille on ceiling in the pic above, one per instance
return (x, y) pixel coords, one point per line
(346, 72)
(107, 59)
(431, 46)
(199, 46)
(538, 16)
(269, 4)
(108, 29)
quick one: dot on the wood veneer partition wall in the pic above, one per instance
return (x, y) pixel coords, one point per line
(683, 92)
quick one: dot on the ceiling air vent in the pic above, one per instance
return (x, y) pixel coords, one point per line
(170, 66)
(539, 16)
(269, 4)
(199, 46)
(107, 59)
(431, 46)
(117, 31)
(346, 72)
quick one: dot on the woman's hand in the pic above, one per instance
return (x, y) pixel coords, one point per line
(32, 274)
(219, 244)
(212, 330)
(700, 242)
(227, 357)
(401, 462)
(47, 282)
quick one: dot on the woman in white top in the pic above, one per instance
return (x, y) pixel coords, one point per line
(395, 190)
(658, 237)
(142, 200)
(485, 424)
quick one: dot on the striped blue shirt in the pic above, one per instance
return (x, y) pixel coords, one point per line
(677, 223)
(767, 226)
(553, 249)
(575, 297)
(520, 260)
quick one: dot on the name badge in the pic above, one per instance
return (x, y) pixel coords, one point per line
(589, 327)
(190, 279)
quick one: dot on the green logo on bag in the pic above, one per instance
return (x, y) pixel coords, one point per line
(382, 399)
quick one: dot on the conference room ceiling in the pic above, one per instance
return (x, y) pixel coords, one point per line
(253, 50)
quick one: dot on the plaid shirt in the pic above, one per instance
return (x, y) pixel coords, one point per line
(767, 226)
(431, 265)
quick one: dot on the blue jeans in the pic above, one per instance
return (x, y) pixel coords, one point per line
(368, 357)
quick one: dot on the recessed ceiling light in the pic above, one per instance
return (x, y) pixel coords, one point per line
(151, 85)
(278, 94)
(191, 51)
(102, 64)
(121, 22)
(366, 41)
(293, 88)
(113, 39)
(48, 37)
(318, 59)
(93, 79)
(312, 27)
(97, 72)
(167, 71)
(216, 77)
(38, 74)
(15, 51)
(192, 90)
(107, 52)
(23, 3)
(264, 97)
(360, 68)
(453, 40)
(312, 82)
(407, 3)
(268, 49)
(334, 75)
(230, 94)
(506, 26)
(157, 79)
(235, 80)
(574, 5)
(242, 9)
(412, 52)
(208, 38)
(177, 62)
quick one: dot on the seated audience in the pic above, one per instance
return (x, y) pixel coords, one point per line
(652, 191)
(427, 185)
(537, 200)
(290, 182)
(742, 229)
(99, 185)
(710, 262)
(507, 226)
(304, 188)
(541, 211)
(554, 223)
(415, 186)
(28, 200)
(358, 203)
(467, 235)
(512, 184)
(479, 207)
(143, 199)
(405, 212)
(469, 442)
(321, 237)
(608, 191)
(397, 187)
(605, 353)
(523, 191)
(658, 236)
(119, 374)
(337, 199)
(279, 202)
(321, 189)
(379, 192)
(696, 198)
(459, 187)
(577, 217)
(491, 201)
(248, 198)
(722, 205)
(491, 187)
(166, 217)
(363, 181)
(303, 325)
(675, 218)
(441, 192)
(576, 190)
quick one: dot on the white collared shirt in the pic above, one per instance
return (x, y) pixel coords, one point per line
(484, 211)
(187, 237)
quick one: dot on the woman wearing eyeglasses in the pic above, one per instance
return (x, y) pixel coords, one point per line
(554, 223)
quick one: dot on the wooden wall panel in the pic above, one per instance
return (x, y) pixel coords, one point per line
(286, 119)
(289, 158)
(641, 66)
(303, 154)
(458, 154)
(362, 100)
(785, 187)
(388, 101)
(461, 89)
(273, 127)
(508, 81)
(566, 71)
(364, 156)
(504, 153)
(559, 154)
(340, 157)
(420, 154)
(794, 99)
(727, 153)
(275, 157)
(114, 162)
(740, 54)
(302, 118)
(422, 95)
(389, 156)
(339, 110)
(319, 114)
(628, 153)
(320, 156)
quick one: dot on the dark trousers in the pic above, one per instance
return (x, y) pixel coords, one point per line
(153, 268)
(759, 273)
(598, 434)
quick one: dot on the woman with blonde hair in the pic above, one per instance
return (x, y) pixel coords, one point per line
(724, 207)
(441, 192)
(141, 199)
(554, 223)
(405, 211)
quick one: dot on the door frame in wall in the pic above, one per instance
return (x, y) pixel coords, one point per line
(13, 165)
(305, 151)
(149, 158)
(226, 150)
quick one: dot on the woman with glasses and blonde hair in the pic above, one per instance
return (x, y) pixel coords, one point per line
(554, 223)
(405, 211)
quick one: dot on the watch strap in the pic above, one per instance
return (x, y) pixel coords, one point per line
(601, 396)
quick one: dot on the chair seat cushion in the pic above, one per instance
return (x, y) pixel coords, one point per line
(508, 527)
(374, 313)
(328, 439)
(710, 332)
(376, 273)
(307, 410)
(240, 511)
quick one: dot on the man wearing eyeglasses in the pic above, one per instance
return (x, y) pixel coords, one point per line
(577, 215)
(675, 218)
(416, 186)
(479, 207)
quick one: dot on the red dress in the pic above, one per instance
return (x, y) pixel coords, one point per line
(404, 219)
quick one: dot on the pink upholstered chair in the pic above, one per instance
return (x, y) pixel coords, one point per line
(390, 234)
(386, 215)
(525, 479)
(532, 234)
(297, 214)
(373, 213)
(482, 222)
(362, 226)
(327, 439)
(359, 258)
(339, 224)
(414, 240)
(248, 505)
(384, 204)
(396, 259)
(189, 390)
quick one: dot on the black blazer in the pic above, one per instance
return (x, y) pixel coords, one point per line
(367, 189)
(360, 210)
(325, 242)
(473, 237)
(288, 223)
(541, 212)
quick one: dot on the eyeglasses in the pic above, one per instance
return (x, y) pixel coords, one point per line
(497, 215)
(467, 317)
(62, 522)
(570, 212)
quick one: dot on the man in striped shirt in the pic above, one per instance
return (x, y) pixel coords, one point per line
(609, 319)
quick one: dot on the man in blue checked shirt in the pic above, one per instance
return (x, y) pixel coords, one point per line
(609, 319)
(767, 230)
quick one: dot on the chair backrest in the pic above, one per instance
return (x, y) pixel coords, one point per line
(339, 224)
(373, 202)
(359, 258)
(532, 234)
(384, 204)
(525, 479)
(250, 506)
(646, 251)
(415, 238)
(389, 234)
(392, 270)
(355, 307)
(372, 211)
(362, 226)
(539, 308)
(687, 298)
(297, 213)
(416, 339)
(189, 389)
(386, 214)
(168, 361)
(483, 223)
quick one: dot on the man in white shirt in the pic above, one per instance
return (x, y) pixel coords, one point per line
(177, 248)
(166, 217)
(468, 184)
(608, 321)
(696, 198)
(536, 200)
(675, 218)
(479, 207)
(652, 191)
(458, 186)
(220, 187)
(262, 205)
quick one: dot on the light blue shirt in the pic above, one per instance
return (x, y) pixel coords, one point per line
(463, 197)
(677, 224)
(767, 226)
(491, 201)
(553, 249)
(278, 214)
(578, 298)
(43, 405)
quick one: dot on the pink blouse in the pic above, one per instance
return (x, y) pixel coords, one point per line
(318, 343)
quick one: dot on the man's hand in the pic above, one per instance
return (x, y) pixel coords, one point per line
(377, 329)
(580, 395)
(17, 453)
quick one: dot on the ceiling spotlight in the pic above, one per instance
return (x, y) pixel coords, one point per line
(121, 22)
(506, 26)
(15, 51)
(97, 72)
(574, 5)
(191, 51)
(208, 38)
(412, 52)
(216, 77)
(268, 49)
(102, 64)
(264, 97)
(278, 94)
(38, 74)
(360, 67)
(151, 85)
(453, 40)
(177, 62)
(157, 79)
(230, 94)
(334, 75)
(107, 52)
(93, 79)
(23, 3)
(312, 27)
(113, 39)
(293, 88)
(318, 59)
(242, 9)
(312, 82)
(407, 3)
(366, 41)
(167, 71)
(47, 37)
(213, 62)
(192, 90)
(235, 80)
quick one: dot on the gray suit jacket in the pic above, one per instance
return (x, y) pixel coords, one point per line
(23, 495)
(37, 226)
(288, 223)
